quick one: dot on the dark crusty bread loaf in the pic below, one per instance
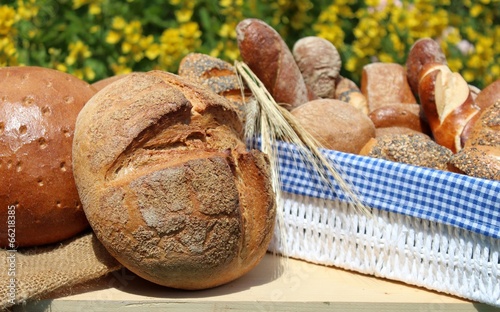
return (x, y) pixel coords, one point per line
(266, 53)
(217, 75)
(167, 184)
(38, 109)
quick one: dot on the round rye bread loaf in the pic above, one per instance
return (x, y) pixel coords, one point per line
(38, 110)
(167, 183)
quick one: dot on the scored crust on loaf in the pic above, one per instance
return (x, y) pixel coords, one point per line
(215, 74)
(167, 184)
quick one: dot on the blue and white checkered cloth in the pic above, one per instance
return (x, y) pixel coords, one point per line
(444, 197)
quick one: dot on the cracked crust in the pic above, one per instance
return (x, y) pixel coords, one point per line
(167, 183)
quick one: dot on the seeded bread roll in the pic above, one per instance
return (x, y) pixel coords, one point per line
(335, 124)
(410, 149)
(167, 184)
(37, 119)
(480, 156)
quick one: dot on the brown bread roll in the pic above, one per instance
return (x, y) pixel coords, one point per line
(38, 109)
(483, 99)
(347, 91)
(385, 83)
(447, 103)
(489, 95)
(335, 124)
(167, 184)
(412, 149)
(266, 53)
(398, 115)
(480, 156)
(422, 52)
(320, 64)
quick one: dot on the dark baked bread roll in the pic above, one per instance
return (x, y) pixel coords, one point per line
(38, 109)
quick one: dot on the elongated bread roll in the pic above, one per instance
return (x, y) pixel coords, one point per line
(266, 53)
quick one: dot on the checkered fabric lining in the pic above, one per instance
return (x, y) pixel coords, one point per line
(444, 197)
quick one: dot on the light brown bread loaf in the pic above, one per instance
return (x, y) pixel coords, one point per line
(38, 109)
(320, 64)
(167, 183)
(385, 83)
(335, 124)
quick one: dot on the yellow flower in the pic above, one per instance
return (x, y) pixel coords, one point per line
(227, 31)
(476, 10)
(95, 9)
(113, 37)
(468, 75)
(190, 30)
(225, 3)
(183, 15)
(118, 23)
(455, 64)
(153, 51)
(385, 57)
(62, 67)
(352, 64)
(7, 19)
(94, 29)
(133, 27)
(89, 73)
(77, 51)
(474, 61)
(26, 10)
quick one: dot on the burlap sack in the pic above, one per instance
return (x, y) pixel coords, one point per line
(42, 271)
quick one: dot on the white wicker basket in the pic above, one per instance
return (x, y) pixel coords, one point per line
(397, 245)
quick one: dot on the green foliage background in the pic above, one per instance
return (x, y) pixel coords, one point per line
(94, 39)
